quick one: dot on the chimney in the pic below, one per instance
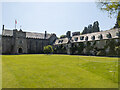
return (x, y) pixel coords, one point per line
(68, 34)
(3, 29)
(45, 35)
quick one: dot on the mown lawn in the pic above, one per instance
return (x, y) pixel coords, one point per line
(59, 71)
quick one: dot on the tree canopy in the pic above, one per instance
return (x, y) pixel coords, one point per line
(112, 8)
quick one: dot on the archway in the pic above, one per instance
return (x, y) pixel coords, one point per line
(20, 50)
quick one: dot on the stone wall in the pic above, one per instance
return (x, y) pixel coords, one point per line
(7, 44)
(99, 47)
(18, 43)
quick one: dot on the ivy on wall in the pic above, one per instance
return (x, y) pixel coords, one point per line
(112, 45)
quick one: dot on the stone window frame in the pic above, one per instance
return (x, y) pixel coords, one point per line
(82, 38)
(76, 38)
(108, 35)
(93, 37)
(20, 42)
(118, 33)
(100, 36)
(60, 41)
(86, 38)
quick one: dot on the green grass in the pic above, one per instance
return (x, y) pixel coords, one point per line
(59, 71)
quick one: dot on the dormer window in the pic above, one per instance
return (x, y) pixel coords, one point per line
(60, 41)
(82, 37)
(118, 34)
(86, 38)
(93, 37)
(108, 35)
(100, 36)
(76, 38)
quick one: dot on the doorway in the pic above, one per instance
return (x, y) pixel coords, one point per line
(20, 50)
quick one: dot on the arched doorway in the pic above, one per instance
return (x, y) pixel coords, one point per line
(20, 50)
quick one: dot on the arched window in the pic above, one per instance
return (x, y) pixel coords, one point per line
(76, 38)
(93, 37)
(100, 36)
(82, 37)
(86, 38)
(108, 35)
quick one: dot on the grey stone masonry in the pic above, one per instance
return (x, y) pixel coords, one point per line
(17, 41)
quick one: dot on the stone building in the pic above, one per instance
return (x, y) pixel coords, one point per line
(17, 41)
(94, 43)
(90, 43)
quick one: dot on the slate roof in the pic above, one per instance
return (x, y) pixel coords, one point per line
(37, 35)
(61, 41)
(91, 36)
(7, 32)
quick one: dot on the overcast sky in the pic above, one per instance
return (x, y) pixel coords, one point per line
(54, 17)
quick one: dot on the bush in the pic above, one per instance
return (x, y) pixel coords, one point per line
(117, 50)
(101, 53)
(48, 49)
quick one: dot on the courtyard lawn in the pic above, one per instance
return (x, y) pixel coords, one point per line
(59, 71)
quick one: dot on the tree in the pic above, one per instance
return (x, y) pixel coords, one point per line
(112, 8)
(117, 25)
(48, 49)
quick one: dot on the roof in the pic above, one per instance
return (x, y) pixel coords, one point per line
(37, 35)
(92, 36)
(7, 32)
(61, 41)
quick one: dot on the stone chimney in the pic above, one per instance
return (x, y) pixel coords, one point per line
(3, 29)
(68, 34)
(45, 35)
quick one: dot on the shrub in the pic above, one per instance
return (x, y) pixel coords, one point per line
(101, 53)
(48, 49)
(117, 50)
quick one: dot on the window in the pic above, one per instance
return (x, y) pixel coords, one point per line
(93, 37)
(118, 34)
(76, 38)
(100, 36)
(20, 42)
(60, 41)
(108, 35)
(82, 37)
(86, 38)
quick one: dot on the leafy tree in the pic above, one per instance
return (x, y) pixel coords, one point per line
(111, 8)
(117, 25)
(48, 49)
